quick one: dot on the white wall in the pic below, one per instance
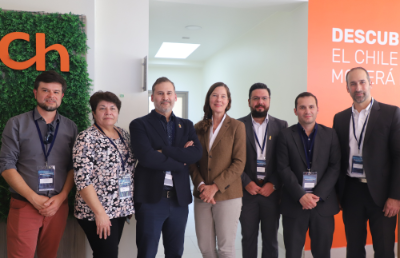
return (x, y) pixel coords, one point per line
(122, 40)
(185, 79)
(121, 36)
(118, 39)
(275, 53)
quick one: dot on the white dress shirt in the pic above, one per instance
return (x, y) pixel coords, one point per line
(359, 119)
(259, 129)
(213, 135)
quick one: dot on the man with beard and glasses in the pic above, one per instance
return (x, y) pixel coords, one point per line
(260, 180)
(165, 146)
(369, 182)
(36, 161)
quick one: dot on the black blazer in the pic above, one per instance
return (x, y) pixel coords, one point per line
(381, 151)
(292, 163)
(250, 170)
(148, 136)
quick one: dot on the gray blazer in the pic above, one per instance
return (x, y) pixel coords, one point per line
(292, 163)
(250, 170)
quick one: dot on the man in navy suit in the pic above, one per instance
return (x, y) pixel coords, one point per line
(308, 156)
(165, 145)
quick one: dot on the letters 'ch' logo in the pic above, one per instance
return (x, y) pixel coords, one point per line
(41, 51)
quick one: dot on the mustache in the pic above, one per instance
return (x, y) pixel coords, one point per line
(259, 106)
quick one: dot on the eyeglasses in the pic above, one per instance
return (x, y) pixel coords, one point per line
(50, 134)
(257, 98)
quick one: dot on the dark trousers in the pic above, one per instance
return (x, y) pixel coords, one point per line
(103, 248)
(256, 209)
(167, 217)
(320, 229)
(359, 207)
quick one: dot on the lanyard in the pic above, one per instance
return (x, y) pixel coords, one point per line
(265, 139)
(46, 155)
(308, 153)
(115, 146)
(362, 131)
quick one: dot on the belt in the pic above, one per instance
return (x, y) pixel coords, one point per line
(169, 194)
(18, 197)
(358, 179)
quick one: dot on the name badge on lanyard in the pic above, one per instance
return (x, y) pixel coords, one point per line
(46, 178)
(309, 181)
(46, 174)
(125, 182)
(261, 162)
(357, 166)
(125, 187)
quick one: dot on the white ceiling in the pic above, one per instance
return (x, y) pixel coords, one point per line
(222, 22)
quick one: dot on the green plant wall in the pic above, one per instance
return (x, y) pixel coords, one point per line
(16, 86)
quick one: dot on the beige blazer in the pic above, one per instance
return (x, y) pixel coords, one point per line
(224, 163)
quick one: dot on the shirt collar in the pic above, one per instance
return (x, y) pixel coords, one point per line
(38, 116)
(366, 109)
(265, 121)
(222, 121)
(301, 129)
(163, 118)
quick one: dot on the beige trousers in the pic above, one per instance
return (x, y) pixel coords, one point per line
(217, 222)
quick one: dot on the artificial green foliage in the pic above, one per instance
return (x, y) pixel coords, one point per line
(16, 86)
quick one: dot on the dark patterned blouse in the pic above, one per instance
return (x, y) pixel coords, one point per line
(97, 162)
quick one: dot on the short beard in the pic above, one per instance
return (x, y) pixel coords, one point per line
(47, 108)
(258, 114)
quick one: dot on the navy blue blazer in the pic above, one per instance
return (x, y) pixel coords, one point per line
(292, 163)
(148, 136)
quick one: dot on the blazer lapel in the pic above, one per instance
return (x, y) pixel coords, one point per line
(206, 138)
(299, 143)
(373, 117)
(222, 131)
(316, 148)
(178, 131)
(250, 132)
(271, 130)
(346, 128)
(158, 127)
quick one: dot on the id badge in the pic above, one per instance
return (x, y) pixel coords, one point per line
(357, 165)
(261, 164)
(168, 179)
(46, 177)
(125, 187)
(309, 181)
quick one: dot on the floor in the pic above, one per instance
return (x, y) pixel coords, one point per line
(191, 249)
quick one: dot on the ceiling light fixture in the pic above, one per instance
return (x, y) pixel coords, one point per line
(193, 27)
(176, 50)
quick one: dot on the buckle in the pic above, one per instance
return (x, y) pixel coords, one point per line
(168, 194)
(363, 180)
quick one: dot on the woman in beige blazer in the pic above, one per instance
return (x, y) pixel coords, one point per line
(216, 176)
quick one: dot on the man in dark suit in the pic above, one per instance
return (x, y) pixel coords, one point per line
(260, 180)
(165, 145)
(308, 157)
(369, 182)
